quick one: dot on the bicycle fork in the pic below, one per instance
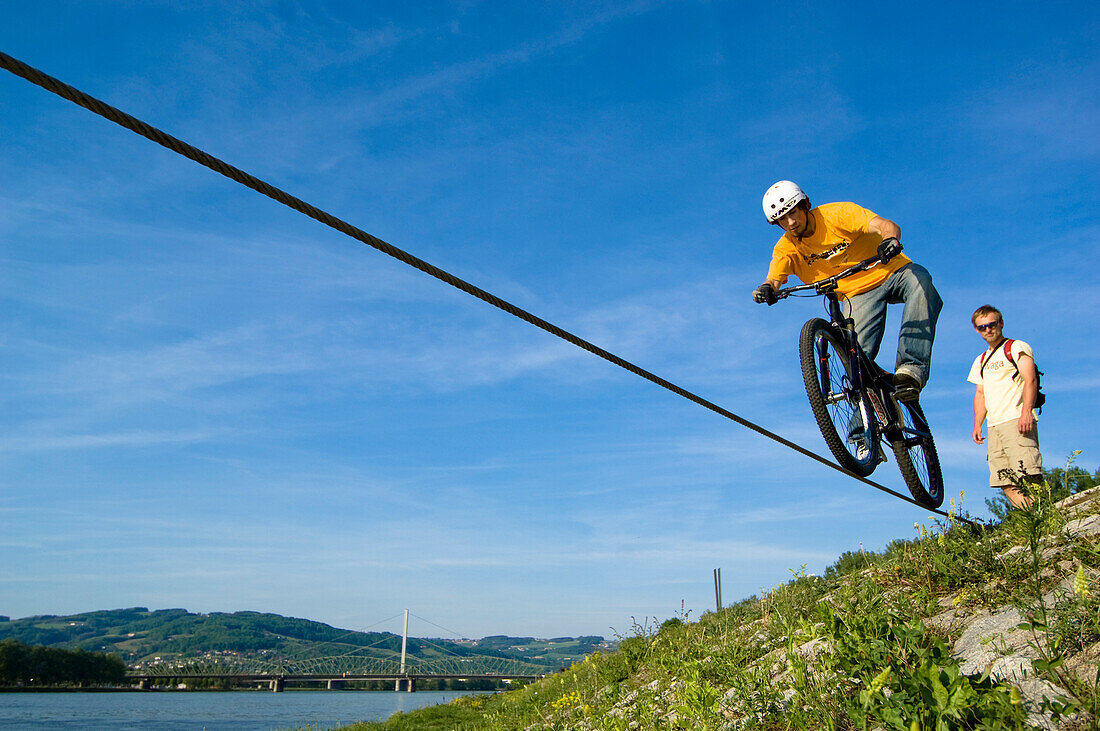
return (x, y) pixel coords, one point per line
(850, 386)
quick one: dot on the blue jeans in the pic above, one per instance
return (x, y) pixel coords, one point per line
(912, 285)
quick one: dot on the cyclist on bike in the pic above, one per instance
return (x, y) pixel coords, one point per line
(820, 242)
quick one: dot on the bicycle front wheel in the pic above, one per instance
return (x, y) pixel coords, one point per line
(917, 457)
(843, 414)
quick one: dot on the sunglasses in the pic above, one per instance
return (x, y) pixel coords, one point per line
(987, 326)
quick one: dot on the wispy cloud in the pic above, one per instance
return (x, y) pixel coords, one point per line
(395, 100)
(655, 554)
(1049, 112)
(30, 443)
(377, 344)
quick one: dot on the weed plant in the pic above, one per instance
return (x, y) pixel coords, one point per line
(851, 649)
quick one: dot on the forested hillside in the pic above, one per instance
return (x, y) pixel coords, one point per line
(138, 635)
(29, 667)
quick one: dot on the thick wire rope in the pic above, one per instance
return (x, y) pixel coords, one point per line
(457, 634)
(454, 632)
(163, 139)
(450, 654)
(336, 640)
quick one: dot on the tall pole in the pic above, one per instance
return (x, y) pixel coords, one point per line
(404, 641)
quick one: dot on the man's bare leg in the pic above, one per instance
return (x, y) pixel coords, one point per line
(1017, 497)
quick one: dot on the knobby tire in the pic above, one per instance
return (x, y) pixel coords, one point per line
(837, 407)
(917, 458)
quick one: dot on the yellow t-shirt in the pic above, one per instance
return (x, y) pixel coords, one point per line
(840, 240)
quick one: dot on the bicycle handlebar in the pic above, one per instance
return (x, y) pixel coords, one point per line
(828, 284)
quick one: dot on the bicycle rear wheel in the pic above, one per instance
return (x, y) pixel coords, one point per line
(843, 414)
(917, 457)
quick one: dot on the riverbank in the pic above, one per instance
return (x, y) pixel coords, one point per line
(128, 689)
(292, 689)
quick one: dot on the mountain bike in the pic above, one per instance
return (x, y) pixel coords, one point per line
(854, 402)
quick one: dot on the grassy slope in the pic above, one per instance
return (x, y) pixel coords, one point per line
(851, 649)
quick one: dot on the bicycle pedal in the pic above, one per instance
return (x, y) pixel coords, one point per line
(907, 395)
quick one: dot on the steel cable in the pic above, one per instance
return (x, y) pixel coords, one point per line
(180, 147)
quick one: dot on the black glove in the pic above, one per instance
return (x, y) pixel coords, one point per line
(888, 249)
(764, 293)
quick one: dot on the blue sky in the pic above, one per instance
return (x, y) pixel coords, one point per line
(212, 402)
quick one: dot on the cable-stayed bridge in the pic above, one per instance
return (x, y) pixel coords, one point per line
(336, 670)
(335, 664)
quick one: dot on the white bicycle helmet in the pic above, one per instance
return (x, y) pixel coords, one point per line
(781, 198)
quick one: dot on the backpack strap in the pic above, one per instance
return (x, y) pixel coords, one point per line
(985, 362)
(1008, 354)
(1039, 397)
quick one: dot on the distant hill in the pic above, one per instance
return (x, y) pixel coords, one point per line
(140, 636)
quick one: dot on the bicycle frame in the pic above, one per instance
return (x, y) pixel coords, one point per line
(867, 376)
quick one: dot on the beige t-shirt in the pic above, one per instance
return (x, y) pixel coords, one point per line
(1003, 387)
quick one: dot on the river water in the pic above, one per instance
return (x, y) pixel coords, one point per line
(317, 710)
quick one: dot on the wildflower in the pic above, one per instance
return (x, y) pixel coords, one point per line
(567, 701)
(880, 680)
(1081, 583)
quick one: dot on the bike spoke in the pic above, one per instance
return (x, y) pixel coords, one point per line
(917, 458)
(845, 421)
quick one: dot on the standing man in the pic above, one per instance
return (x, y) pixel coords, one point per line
(823, 241)
(1007, 383)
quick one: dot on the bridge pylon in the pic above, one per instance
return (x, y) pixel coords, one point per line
(409, 684)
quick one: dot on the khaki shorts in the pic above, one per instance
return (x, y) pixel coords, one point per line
(1012, 453)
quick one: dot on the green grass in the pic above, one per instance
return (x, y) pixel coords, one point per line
(852, 649)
